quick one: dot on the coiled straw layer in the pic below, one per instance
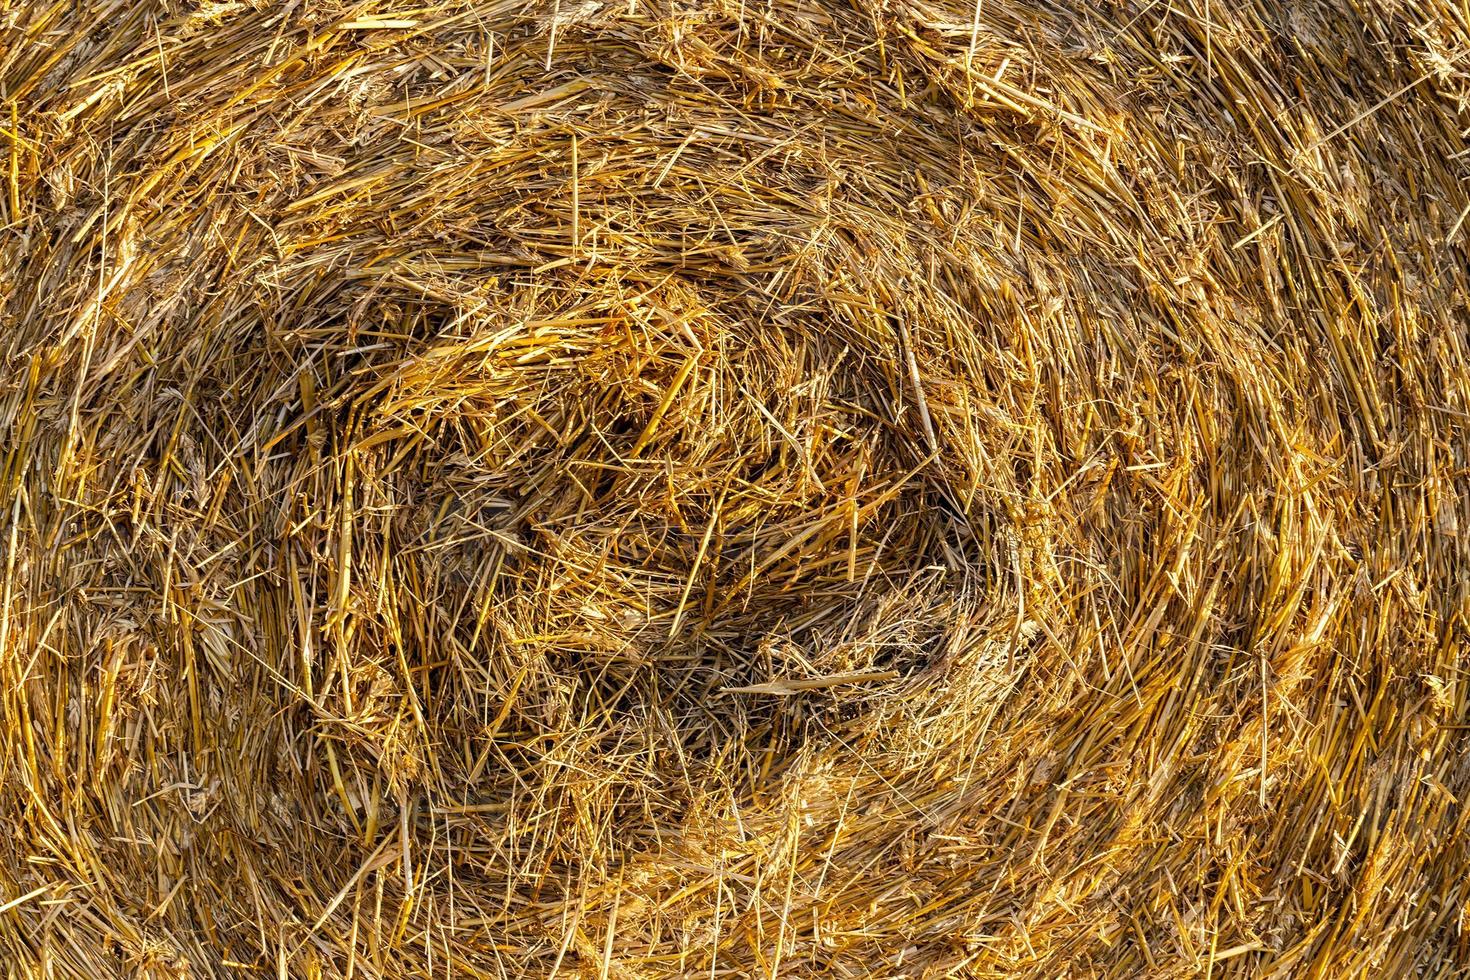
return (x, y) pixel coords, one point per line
(902, 488)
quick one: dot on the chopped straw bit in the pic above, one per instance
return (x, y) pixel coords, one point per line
(745, 488)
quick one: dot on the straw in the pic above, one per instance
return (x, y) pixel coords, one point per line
(798, 488)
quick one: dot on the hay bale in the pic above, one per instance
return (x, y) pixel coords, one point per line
(794, 488)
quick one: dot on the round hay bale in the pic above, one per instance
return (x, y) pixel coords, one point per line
(771, 488)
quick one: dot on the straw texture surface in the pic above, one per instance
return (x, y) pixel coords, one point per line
(750, 488)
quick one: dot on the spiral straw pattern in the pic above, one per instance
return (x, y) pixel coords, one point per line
(753, 488)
